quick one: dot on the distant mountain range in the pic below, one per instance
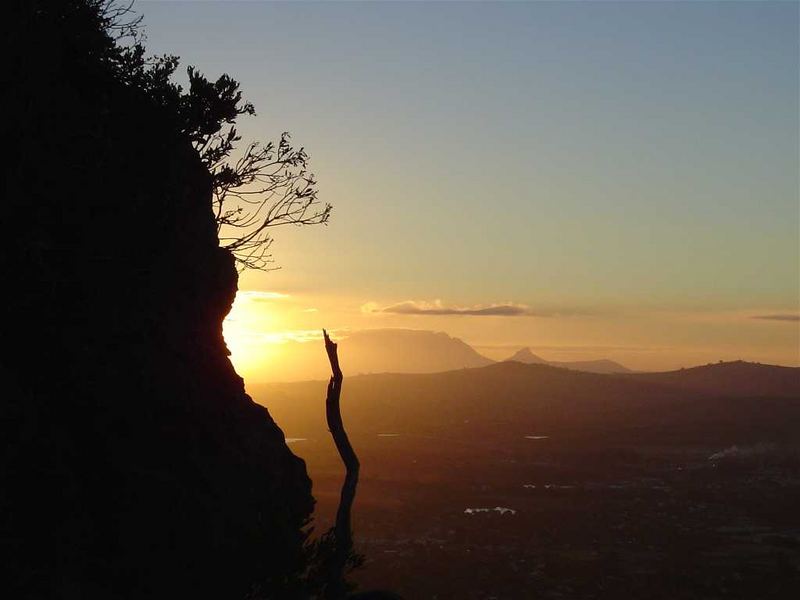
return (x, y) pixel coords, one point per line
(419, 351)
(751, 402)
(590, 366)
(375, 351)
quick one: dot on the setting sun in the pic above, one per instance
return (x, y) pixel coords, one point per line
(252, 331)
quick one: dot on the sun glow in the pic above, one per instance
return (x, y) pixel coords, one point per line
(248, 330)
(259, 334)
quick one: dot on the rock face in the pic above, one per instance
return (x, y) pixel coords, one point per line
(133, 464)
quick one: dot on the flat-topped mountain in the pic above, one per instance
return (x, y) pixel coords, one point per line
(409, 351)
(375, 351)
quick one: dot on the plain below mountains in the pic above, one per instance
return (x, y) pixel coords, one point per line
(756, 401)
(621, 479)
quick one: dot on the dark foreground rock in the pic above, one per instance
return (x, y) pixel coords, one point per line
(133, 463)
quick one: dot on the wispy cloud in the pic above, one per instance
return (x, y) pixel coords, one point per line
(283, 337)
(297, 335)
(259, 296)
(784, 317)
(436, 308)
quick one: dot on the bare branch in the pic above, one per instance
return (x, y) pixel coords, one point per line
(266, 187)
(342, 530)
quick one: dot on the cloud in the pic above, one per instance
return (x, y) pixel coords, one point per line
(789, 318)
(257, 296)
(436, 308)
(296, 335)
(300, 336)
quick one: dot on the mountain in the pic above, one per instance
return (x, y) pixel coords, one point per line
(511, 398)
(400, 351)
(731, 379)
(375, 351)
(408, 351)
(591, 366)
(526, 356)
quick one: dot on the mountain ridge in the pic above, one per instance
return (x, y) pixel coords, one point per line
(399, 350)
(601, 365)
(528, 397)
(770, 380)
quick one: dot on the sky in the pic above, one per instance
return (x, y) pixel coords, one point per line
(590, 179)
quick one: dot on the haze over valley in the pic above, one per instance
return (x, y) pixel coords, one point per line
(401, 351)
(549, 482)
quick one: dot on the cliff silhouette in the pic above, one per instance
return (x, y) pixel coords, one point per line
(134, 465)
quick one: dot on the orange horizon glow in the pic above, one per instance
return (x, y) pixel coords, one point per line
(278, 337)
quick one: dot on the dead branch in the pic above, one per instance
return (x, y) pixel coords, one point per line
(343, 534)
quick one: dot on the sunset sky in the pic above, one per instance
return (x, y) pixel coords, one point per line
(592, 180)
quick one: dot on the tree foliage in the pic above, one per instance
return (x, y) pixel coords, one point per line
(256, 188)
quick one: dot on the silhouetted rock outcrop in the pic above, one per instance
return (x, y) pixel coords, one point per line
(133, 463)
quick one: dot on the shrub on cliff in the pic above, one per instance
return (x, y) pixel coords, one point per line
(255, 188)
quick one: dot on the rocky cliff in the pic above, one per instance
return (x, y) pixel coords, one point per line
(134, 465)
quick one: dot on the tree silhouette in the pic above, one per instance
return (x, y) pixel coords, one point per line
(258, 188)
